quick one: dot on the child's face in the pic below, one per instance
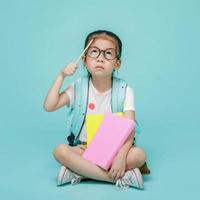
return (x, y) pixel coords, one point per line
(101, 63)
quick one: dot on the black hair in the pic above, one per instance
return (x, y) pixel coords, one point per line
(107, 33)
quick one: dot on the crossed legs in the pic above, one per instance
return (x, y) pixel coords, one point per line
(71, 158)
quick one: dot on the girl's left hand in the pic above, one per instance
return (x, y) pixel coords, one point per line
(117, 169)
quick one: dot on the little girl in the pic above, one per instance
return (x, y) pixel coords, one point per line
(101, 59)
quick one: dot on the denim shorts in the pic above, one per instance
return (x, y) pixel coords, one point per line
(82, 145)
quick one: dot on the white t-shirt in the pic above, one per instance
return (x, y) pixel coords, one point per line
(100, 103)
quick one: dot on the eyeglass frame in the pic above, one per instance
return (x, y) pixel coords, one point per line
(117, 55)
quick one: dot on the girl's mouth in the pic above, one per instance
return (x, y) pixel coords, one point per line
(99, 67)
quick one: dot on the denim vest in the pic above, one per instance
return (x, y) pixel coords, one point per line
(77, 113)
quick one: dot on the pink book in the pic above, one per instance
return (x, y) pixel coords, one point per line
(109, 138)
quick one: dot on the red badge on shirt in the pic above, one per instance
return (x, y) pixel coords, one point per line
(91, 106)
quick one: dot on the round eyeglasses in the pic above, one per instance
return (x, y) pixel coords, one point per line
(109, 54)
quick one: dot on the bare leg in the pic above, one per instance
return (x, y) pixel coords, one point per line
(136, 157)
(78, 151)
(76, 163)
(71, 158)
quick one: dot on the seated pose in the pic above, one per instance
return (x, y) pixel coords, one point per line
(98, 92)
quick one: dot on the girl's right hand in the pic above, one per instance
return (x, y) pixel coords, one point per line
(69, 69)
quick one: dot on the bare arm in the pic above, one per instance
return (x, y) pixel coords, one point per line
(54, 98)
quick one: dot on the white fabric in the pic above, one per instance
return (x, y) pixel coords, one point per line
(99, 103)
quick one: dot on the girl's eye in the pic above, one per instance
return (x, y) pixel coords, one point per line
(109, 52)
(93, 51)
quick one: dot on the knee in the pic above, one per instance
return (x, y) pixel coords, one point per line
(141, 155)
(59, 151)
(137, 155)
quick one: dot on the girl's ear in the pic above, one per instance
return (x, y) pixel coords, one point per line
(84, 60)
(118, 63)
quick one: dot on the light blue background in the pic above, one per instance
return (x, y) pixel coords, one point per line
(160, 60)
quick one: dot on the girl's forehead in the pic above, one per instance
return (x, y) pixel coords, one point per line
(104, 42)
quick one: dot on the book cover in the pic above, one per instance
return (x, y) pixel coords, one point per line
(109, 138)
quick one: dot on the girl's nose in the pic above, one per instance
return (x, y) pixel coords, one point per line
(100, 58)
